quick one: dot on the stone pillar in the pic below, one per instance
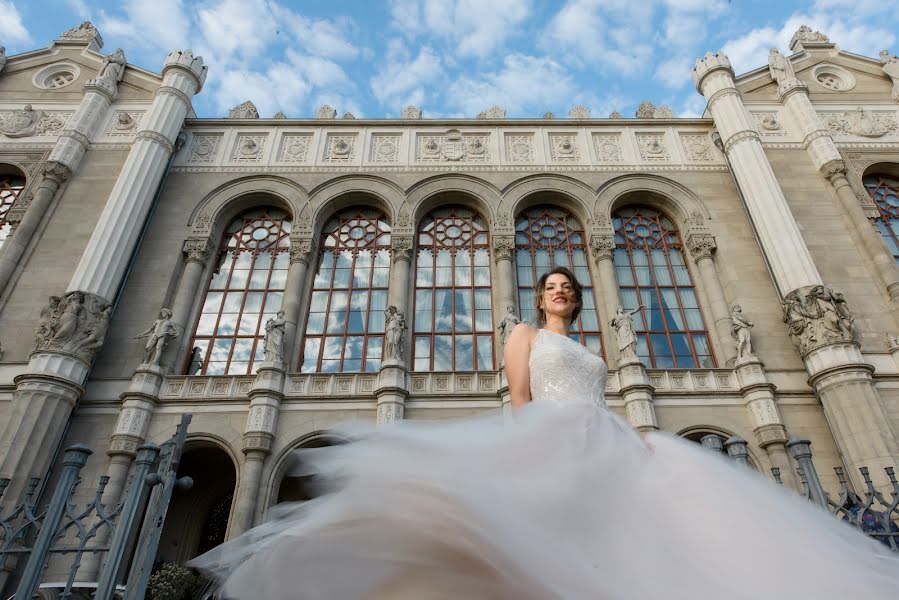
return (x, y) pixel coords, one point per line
(64, 159)
(702, 246)
(72, 329)
(767, 424)
(818, 319)
(302, 253)
(393, 387)
(259, 434)
(603, 249)
(504, 257)
(636, 390)
(400, 272)
(196, 252)
(819, 144)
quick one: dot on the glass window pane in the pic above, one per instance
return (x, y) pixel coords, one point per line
(213, 302)
(443, 353)
(315, 323)
(227, 324)
(249, 323)
(253, 302)
(206, 326)
(464, 354)
(373, 354)
(485, 352)
(233, 302)
(464, 316)
(278, 280)
(239, 279)
(671, 311)
(443, 310)
(624, 275)
(422, 353)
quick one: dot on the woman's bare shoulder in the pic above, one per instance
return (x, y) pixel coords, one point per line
(524, 332)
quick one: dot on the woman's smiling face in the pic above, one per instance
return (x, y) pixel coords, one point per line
(558, 297)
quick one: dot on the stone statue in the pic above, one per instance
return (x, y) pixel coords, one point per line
(816, 316)
(46, 328)
(85, 31)
(508, 323)
(196, 361)
(780, 68)
(623, 324)
(113, 67)
(394, 332)
(2, 57)
(91, 343)
(158, 334)
(805, 34)
(21, 123)
(892, 342)
(274, 338)
(71, 314)
(890, 67)
(75, 324)
(739, 329)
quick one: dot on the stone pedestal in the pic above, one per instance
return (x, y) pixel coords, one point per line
(767, 424)
(636, 390)
(391, 393)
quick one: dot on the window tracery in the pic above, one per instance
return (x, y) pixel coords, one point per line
(345, 322)
(547, 237)
(245, 290)
(453, 325)
(651, 272)
(884, 190)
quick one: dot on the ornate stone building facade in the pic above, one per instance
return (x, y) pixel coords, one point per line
(276, 276)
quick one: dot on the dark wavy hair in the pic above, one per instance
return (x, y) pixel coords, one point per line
(576, 287)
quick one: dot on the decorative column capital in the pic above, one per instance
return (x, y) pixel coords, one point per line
(834, 170)
(817, 316)
(602, 247)
(74, 324)
(57, 171)
(155, 136)
(401, 248)
(103, 86)
(198, 249)
(302, 250)
(708, 64)
(701, 246)
(503, 247)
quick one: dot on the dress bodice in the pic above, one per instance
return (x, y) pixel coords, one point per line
(564, 372)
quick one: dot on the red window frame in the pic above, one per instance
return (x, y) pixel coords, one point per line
(884, 190)
(11, 187)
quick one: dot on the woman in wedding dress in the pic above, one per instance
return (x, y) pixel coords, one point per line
(564, 502)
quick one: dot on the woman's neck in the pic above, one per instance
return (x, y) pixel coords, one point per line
(557, 325)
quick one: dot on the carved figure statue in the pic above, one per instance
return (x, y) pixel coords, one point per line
(806, 34)
(739, 329)
(892, 342)
(817, 316)
(93, 341)
(21, 123)
(890, 66)
(158, 334)
(769, 122)
(70, 315)
(46, 328)
(274, 338)
(780, 67)
(623, 324)
(85, 31)
(394, 332)
(76, 324)
(113, 67)
(505, 327)
(196, 361)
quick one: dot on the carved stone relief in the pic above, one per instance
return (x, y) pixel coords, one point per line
(453, 147)
(294, 148)
(817, 316)
(340, 148)
(411, 112)
(385, 148)
(563, 147)
(85, 31)
(74, 324)
(124, 123)
(890, 67)
(696, 146)
(249, 148)
(652, 146)
(579, 112)
(768, 123)
(244, 110)
(608, 147)
(325, 112)
(494, 112)
(204, 148)
(647, 110)
(28, 122)
(520, 148)
(862, 122)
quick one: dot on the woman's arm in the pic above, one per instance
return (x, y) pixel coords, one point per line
(517, 352)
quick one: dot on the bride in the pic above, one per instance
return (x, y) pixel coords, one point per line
(564, 502)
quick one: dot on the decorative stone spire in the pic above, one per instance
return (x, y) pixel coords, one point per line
(647, 110)
(411, 112)
(579, 112)
(244, 110)
(349, 115)
(494, 112)
(185, 61)
(279, 115)
(708, 64)
(325, 112)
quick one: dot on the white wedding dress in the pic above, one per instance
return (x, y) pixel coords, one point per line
(564, 503)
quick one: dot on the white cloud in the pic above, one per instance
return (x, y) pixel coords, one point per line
(526, 85)
(675, 72)
(80, 8)
(328, 38)
(235, 27)
(14, 31)
(403, 79)
(160, 25)
(473, 28)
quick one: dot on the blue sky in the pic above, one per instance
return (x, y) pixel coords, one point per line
(450, 57)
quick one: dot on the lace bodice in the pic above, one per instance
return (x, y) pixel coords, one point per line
(564, 372)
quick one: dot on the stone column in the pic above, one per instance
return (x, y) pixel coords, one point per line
(636, 390)
(197, 251)
(819, 143)
(72, 329)
(302, 253)
(504, 257)
(603, 249)
(818, 318)
(767, 424)
(702, 246)
(393, 387)
(258, 437)
(64, 159)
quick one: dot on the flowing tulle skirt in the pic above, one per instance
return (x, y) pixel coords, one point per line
(563, 503)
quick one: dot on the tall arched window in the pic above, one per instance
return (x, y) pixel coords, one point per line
(885, 192)
(11, 185)
(547, 237)
(453, 326)
(345, 326)
(246, 289)
(652, 272)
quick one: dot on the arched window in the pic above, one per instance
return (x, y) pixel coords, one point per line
(885, 192)
(345, 326)
(453, 324)
(652, 272)
(11, 185)
(547, 237)
(246, 290)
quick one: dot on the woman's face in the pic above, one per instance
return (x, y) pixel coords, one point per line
(558, 297)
